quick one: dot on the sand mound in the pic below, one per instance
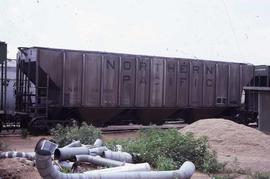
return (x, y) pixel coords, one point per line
(232, 140)
(230, 134)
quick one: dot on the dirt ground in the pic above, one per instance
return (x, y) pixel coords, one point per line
(238, 145)
(15, 168)
(17, 143)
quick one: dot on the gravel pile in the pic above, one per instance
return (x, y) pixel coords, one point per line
(233, 141)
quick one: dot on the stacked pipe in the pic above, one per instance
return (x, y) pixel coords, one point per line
(121, 163)
(15, 154)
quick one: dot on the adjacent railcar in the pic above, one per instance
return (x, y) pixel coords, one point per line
(101, 87)
(249, 111)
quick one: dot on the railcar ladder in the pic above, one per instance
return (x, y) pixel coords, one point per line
(32, 99)
(41, 100)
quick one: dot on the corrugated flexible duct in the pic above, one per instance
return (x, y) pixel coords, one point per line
(14, 154)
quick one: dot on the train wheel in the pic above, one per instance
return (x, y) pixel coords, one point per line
(38, 125)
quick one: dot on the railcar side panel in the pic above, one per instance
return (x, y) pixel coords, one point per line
(234, 84)
(127, 81)
(183, 83)
(91, 79)
(73, 78)
(51, 62)
(109, 82)
(222, 71)
(196, 76)
(209, 84)
(156, 82)
(142, 82)
(170, 84)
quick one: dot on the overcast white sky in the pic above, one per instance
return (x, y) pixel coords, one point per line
(229, 30)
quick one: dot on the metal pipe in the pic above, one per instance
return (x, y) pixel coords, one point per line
(125, 168)
(68, 165)
(98, 143)
(48, 171)
(119, 156)
(97, 160)
(74, 144)
(57, 167)
(68, 153)
(98, 150)
(187, 169)
(14, 154)
(141, 175)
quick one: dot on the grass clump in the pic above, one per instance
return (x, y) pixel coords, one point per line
(169, 149)
(87, 134)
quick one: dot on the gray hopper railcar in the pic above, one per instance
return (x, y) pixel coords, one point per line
(58, 85)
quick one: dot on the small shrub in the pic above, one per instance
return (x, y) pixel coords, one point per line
(164, 163)
(87, 134)
(169, 149)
